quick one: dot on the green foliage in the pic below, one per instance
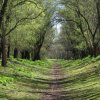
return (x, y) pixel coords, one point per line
(27, 28)
(78, 15)
(4, 80)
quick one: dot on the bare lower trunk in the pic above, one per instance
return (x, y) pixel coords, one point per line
(93, 51)
(36, 55)
(23, 54)
(8, 53)
(15, 53)
(4, 51)
(27, 54)
(0, 52)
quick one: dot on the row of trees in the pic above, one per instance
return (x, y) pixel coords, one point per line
(81, 26)
(24, 27)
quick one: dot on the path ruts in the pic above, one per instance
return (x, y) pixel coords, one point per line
(55, 88)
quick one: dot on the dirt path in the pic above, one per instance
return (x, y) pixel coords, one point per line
(55, 87)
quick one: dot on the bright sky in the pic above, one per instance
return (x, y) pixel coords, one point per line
(58, 28)
(57, 31)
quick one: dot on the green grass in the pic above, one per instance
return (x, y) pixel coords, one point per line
(19, 81)
(22, 79)
(82, 78)
(4, 80)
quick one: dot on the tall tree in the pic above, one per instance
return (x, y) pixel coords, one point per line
(12, 17)
(85, 16)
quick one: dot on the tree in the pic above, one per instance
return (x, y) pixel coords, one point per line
(84, 16)
(2, 31)
(11, 18)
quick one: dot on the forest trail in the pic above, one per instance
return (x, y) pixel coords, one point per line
(55, 87)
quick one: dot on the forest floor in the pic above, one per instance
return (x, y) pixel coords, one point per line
(51, 79)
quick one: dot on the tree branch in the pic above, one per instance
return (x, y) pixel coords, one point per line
(85, 21)
(21, 20)
(24, 1)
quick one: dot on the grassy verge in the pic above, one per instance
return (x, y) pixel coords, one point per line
(82, 78)
(25, 80)
(20, 80)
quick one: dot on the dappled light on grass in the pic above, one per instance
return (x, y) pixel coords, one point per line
(80, 79)
(19, 80)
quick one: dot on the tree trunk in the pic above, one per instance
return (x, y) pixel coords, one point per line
(93, 51)
(38, 46)
(8, 53)
(0, 52)
(3, 10)
(15, 53)
(36, 55)
(23, 54)
(27, 55)
(4, 51)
